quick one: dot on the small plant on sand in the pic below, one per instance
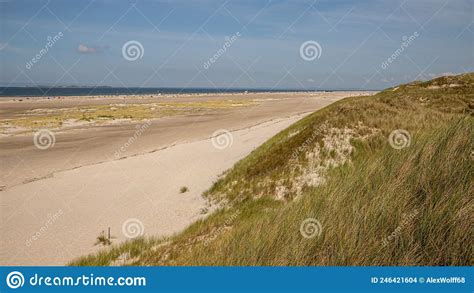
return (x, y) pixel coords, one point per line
(102, 239)
(183, 189)
(85, 118)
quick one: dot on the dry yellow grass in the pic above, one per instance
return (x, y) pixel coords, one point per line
(57, 118)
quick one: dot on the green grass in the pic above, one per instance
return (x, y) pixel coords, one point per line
(378, 206)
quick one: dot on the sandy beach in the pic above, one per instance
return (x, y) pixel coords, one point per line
(56, 201)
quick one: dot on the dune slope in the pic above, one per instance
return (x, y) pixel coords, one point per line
(376, 180)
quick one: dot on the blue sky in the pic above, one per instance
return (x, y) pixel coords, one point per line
(179, 37)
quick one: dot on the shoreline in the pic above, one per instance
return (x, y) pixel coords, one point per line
(247, 128)
(184, 93)
(25, 98)
(157, 210)
(87, 143)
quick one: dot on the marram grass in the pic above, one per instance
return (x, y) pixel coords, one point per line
(385, 206)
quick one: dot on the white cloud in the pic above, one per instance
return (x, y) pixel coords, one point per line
(86, 50)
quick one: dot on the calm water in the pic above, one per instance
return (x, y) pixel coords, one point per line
(87, 91)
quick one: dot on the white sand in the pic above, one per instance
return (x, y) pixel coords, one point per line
(54, 220)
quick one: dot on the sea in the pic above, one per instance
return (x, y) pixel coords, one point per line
(98, 91)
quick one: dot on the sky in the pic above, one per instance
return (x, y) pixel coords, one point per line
(325, 44)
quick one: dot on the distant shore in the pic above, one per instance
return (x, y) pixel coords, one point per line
(55, 92)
